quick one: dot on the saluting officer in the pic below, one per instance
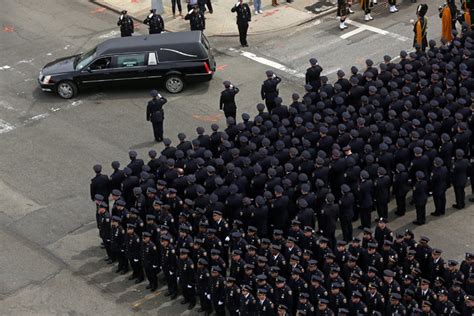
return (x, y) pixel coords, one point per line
(126, 24)
(243, 19)
(196, 19)
(155, 114)
(227, 100)
(155, 22)
(269, 90)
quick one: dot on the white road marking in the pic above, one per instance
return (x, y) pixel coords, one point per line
(39, 116)
(6, 67)
(6, 127)
(353, 32)
(375, 30)
(25, 61)
(268, 62)
(110, 34)
(7, 106)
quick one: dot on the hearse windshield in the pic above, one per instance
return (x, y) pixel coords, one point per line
(84, 59)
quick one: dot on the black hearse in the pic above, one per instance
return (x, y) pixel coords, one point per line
(176, 58)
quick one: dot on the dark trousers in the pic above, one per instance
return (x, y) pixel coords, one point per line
(151, 276)
(209, 6)
(460, 195)
(206, 304)
(137, 268)
(125, 33)
(171, 282)
(230, 112)
(158, 130)
(401, 204)
(331, 236)
(122, 261)
(270, 104)
(421, 213)
(243, 28)
(346, 226)
(382, 209)
(439, 200)
(109, 252)
(366, 6)
(219, 309)
(175, 3)
(189, 294)
(365, 217)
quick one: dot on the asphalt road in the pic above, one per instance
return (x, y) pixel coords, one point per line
(51, 262)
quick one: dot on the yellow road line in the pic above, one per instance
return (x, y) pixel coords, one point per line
(140, 302)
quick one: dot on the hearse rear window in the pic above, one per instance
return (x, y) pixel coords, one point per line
(132, 60)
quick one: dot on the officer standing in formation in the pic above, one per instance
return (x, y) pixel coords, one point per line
(196, 19)
(244, 16)
(238, 206)
(269, 90)
(126, 24)
(227, 100)
(155, 114)
(155, 22)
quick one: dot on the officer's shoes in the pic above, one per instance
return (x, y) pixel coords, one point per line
(118, 270)
(139, 280)
(418, 223)
(107, 259)
(174, 296)
(153, 289)
(148, 287)
(183, 302)
(436, 214)
(200, 310)
(457, 206)
(167, 294)
(110, 261)
(471, 200)
(399, 213)
(124, 272)
(191, 306)
(132, 277)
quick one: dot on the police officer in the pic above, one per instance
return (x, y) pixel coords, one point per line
(420, 197)
(243, 18)
(186, 276)
(155, 114)
(269, 90)
(168, 265)
(439, 185)
(264, 306)
(126, 24)
(459, 178)
(227, 100)
(117, 244)
(196, 19)
(346, 212)
(149, 256)
(132, 251)
(217, 293)
(155, 22)
(100, 184)
(313, 74)
(103, 224)
(232, 296)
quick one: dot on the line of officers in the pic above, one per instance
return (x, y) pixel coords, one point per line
(383, 273)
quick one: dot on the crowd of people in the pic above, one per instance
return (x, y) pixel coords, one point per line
(244, 218)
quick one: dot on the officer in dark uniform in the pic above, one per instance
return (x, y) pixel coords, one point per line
(329, 215)
(103, 224)
(232, 296)
(269, 90)
(401, 187)
(282, 293)
(264, 307)
(100, 184)
(248, 304)
(439, 185)
(394, 307)
(357, 306)
(382, 192)
(126, 24)
(217, 293)
(243, 18)
(459, 178)
(304, 305)
(155, 22)
(132, 251)
(186, 275)
(227, 100)
(196, 19)
(117, 244)
(365, 199)
(168, 265)
(313, 73)
(346, 212)
(149, 256)
(420, 197)
(155, 114)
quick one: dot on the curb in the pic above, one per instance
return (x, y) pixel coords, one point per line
(310, 19)
(235, 34)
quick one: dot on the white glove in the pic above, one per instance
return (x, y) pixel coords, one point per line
(171, 273)
(159, 96)
(177, 280)
(192, 10)
(232, 86)
(227, 238)
(150, 15)
(190, 287)
(208, 296)
(274, 76)
(220, 303)
(154, 267)
(135, 260)
(121, 17)
(237, 4)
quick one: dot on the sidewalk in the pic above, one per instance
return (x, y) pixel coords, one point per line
(222, 21)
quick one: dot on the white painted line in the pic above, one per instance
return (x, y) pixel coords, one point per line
(6, 67)
(7, 106)
(268, 62)
(378, 31)
(6, 127)
(110, 34)
(353, 32)
(39, 116)
(25, 61)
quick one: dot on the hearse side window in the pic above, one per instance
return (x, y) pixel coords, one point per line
(171, 54)
(101, 63)
(132, 60)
